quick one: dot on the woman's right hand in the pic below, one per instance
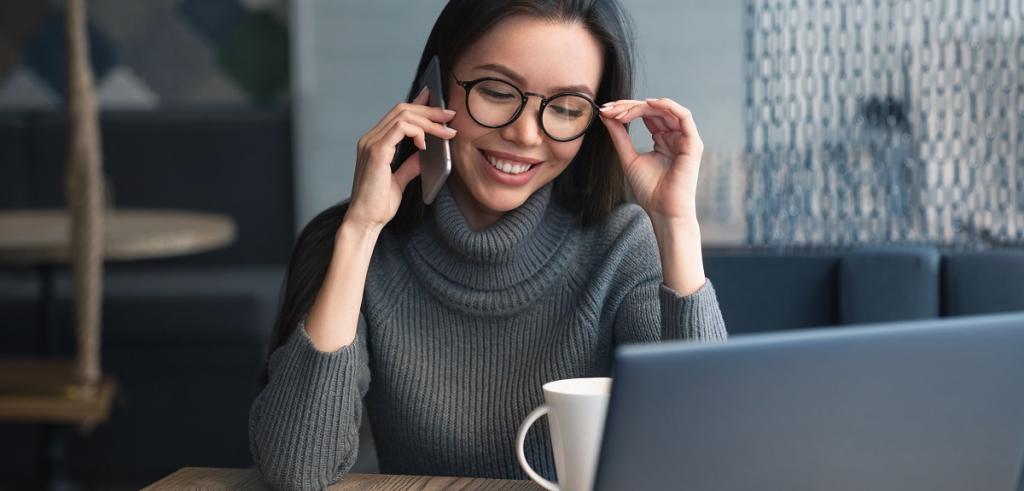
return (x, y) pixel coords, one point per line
(376, 191)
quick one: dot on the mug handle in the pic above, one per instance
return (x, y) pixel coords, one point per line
(521, 438)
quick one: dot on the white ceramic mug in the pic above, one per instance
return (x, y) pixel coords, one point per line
(576, 409)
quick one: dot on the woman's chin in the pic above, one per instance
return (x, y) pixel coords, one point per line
(503, 200)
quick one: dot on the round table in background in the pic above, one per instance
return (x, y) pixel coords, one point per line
(34, 237)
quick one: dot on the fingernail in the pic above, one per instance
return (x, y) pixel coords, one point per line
(448, 111)
(451, 130)
(424, 89)
(621, 115)
(651, 99)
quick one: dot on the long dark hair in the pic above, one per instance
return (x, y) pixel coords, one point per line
(591, 187)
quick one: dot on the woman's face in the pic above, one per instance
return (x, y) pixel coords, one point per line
(538, 56)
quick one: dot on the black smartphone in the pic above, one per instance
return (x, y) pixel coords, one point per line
(436, 160)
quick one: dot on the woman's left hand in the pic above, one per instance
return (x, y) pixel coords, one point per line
(663, 180)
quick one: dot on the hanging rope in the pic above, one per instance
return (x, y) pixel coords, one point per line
(84, 185)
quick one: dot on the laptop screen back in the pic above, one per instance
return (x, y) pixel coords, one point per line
(932, 405)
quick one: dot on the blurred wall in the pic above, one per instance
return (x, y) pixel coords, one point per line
(353, 60)
(152, 54)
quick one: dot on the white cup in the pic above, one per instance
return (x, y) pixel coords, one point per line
(576, 409)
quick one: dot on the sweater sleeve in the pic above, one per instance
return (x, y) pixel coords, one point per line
(695, 317)
(304, 425)
(653, 311)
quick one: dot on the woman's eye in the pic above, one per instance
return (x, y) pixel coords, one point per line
(496, 95)
(567, 112)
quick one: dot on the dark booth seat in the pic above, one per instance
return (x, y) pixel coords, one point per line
(765, 290)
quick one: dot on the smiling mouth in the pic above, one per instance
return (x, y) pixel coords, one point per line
(507, 166)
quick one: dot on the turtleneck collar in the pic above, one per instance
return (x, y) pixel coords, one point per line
(500, 268)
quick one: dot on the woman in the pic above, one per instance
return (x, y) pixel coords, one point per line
(527, 268)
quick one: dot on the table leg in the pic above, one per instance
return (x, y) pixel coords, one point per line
(46, 322)
(51, 458)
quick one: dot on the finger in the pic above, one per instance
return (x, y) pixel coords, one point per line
(419, 105)
(385, 121)
(682, 114)
(662, 145)
(435, 114)
(399, 131)
(655, 125)
(620, 103)
(644, 109)
(621, 140)
(614, 109)
(437, 129)
(408, 170)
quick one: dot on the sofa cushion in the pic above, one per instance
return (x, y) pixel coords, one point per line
(888, 284)
(983, 282)
(768, 292)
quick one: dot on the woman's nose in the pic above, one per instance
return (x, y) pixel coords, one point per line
(525, 131)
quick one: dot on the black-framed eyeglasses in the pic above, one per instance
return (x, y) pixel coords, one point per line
(495, 103)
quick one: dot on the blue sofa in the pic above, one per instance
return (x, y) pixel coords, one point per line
(767, 290)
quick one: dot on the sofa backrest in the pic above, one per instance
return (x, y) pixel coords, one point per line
(770, 292)
(888, 284)
(779, 290)
(983, 282)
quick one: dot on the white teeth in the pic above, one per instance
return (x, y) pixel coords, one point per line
(507, 167)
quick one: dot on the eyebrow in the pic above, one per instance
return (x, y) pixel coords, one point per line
(508, 72)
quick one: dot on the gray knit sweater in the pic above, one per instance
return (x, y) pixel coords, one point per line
(458, 331)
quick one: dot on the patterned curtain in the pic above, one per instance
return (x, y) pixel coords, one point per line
(895, 121)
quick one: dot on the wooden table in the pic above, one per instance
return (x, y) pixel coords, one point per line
(215, 479)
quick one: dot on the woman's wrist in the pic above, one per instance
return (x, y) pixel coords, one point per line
(357, 230)
(679, 247)
(356, 239)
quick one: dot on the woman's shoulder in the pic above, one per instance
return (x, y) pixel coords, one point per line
(627, 222)
(624, 239)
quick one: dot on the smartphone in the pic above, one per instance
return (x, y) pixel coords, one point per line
(436, 160)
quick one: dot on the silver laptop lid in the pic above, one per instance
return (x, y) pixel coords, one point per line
(929, 405)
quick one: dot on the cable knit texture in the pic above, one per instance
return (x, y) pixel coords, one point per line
(460, 328)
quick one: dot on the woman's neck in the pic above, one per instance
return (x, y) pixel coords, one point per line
(477, 217)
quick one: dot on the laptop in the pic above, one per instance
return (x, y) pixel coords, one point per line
(925, 405)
